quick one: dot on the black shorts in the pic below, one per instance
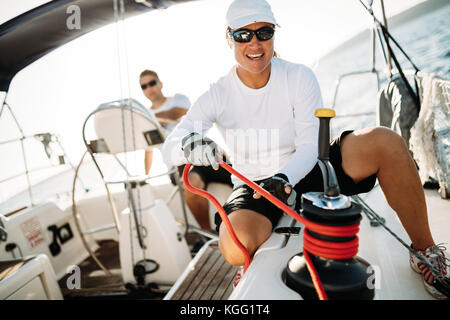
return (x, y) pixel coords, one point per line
(207, 174)
(242, 196)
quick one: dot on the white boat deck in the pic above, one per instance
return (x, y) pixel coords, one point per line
(394, 278)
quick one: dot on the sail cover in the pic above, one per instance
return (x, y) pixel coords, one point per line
(33, 34)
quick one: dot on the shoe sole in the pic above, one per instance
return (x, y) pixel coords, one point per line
(414, 267)
(430, 289)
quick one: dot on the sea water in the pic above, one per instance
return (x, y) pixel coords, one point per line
(425, 39)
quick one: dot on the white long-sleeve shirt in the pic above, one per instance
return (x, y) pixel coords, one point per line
(267, 131)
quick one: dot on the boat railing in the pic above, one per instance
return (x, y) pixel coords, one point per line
(46, 139)
(350, 74)
(338, 85)
(371, 71)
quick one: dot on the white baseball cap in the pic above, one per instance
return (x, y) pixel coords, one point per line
(244, 12)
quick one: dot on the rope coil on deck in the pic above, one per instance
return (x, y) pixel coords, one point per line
(321, 248)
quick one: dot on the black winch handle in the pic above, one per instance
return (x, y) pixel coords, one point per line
(330, 183)
(324, 115)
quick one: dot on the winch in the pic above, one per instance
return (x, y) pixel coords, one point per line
(332, 248)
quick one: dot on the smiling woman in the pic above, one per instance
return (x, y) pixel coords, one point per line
(262, 92)
(259, 94)
(253, 54)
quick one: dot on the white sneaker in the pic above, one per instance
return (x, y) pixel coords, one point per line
(435, 257)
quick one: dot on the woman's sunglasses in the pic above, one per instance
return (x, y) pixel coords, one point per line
(150, 84)
(246, 35)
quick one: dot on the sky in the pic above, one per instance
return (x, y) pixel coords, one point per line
(185, 44)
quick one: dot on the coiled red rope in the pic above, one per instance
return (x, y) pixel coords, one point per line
(321, 248)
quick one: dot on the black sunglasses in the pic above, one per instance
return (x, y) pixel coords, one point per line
(246, 35)
(150, 84)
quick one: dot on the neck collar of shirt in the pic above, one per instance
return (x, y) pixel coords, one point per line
(161, 105)
(249, 90)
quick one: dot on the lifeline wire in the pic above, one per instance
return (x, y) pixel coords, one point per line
(403, 243)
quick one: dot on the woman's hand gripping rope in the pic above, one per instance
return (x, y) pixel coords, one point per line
(279, 186)
(201, 151)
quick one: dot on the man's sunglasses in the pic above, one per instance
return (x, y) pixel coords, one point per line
(246, 35)
(151, 83)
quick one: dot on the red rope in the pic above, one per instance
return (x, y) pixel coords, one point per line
(325, 249)
(314, 276)
(221, 211)
(330, 250)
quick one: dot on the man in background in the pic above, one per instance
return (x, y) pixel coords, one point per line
(168, 110)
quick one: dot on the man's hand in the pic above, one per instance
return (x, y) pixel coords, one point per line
(173, 114)
(201, 151)
(280, 187)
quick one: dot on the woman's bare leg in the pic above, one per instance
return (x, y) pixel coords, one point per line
(382, 151)
(251, 228)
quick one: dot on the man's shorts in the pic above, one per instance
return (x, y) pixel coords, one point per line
(242, 196)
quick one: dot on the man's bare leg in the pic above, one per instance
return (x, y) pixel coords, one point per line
(148, 160)
(382, 151)
(198, 205)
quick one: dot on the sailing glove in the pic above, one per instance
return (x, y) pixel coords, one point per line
(279, 186)
(201, 151)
